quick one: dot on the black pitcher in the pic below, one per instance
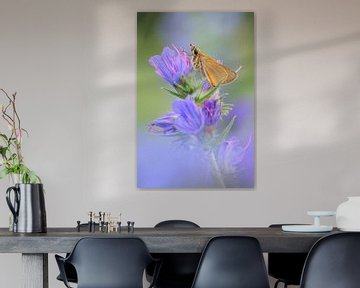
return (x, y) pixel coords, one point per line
(28, 207)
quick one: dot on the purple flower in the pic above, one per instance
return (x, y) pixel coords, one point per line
(172, 65)
(191, 119)
(212, 111)
(164, 125)
(231, 154)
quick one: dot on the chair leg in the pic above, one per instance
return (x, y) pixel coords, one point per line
(279, 281)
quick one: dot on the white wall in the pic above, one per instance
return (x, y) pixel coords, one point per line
(73, 66)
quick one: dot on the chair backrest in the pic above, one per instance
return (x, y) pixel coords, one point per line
(110, 262)
(232, 262)
(287, 267)
(333, 262)
(178, 269)
(176, 224)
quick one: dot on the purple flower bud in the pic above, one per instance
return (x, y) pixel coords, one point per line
(191, 119)
(212, 111)
(172, 65)
(231, 154)
(164, 125)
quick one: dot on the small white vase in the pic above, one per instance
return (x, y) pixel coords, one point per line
(348, 214)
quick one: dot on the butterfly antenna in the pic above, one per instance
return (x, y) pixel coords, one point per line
(237, 70)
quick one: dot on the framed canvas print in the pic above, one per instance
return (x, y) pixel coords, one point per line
(195, 100)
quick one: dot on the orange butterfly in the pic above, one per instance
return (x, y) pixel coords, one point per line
(215, 73)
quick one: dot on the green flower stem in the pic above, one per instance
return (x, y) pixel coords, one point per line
(216, 169)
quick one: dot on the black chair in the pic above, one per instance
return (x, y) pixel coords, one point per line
(69, 269)
(232, 262)
(178, 269)
(286, 267)
(333, 262)
(108, 263)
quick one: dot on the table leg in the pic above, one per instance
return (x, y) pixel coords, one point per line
(35, 270)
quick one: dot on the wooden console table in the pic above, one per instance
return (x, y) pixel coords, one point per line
(35, 247)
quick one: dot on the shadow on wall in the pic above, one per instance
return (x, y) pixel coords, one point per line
(310, 47)
(307, 119)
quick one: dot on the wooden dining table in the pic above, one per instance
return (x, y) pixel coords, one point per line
(35, 247)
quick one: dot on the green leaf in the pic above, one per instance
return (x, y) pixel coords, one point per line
(207, 95)
(27, 175)
(26, 132)
(33, 178)
(4, 137)
(183, 90)
(4, 173)
(174, 93)
(3, 151)
(13, 156)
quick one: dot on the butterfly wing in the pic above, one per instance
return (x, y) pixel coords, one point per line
(215, 72)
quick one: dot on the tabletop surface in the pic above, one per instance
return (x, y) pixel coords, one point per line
(158, 240)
